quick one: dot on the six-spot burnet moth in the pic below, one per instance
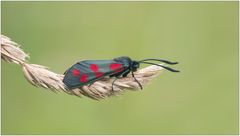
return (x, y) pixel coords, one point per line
(89, 71)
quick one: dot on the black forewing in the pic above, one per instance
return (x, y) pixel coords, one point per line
(74, 80)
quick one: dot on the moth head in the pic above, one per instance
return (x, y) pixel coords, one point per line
(135, 65)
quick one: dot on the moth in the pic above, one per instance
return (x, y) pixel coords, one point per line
(89, 71)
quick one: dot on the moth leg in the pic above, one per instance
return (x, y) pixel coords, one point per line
(117, 74)
(93, 81)
(90, 84)
(136, 80)
(113, 83)
(123, 74)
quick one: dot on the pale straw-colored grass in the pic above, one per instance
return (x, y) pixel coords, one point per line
(40, 76)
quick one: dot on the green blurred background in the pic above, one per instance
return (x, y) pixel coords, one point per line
(202, 36)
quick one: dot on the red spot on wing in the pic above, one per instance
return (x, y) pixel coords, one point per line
(98, 74)
(94, 67)
(75, 72)
(83, 78)
(115, 66)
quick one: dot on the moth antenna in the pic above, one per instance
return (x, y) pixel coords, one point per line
(165, 61)
(170, 69)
